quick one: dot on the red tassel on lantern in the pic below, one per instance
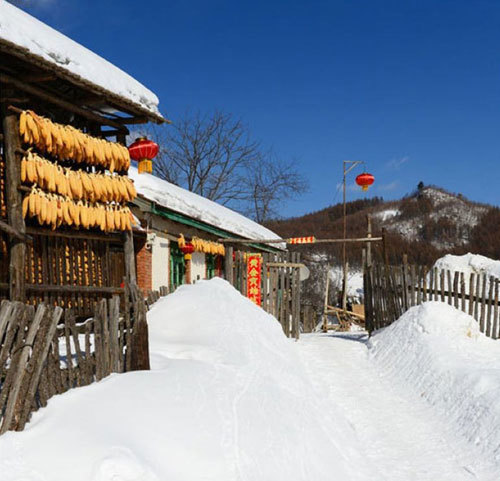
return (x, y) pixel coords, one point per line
(144, 151)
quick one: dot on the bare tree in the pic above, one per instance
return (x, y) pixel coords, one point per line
(214, 156)
(272, 182)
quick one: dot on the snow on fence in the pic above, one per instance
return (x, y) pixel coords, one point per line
(392, 290)
(44, 352)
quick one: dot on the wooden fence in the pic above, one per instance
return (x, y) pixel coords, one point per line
(44, 351)
(280, 286)
(392, 290)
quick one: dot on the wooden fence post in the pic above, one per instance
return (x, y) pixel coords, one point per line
(17, 249)
(228, 265)
(140, 341)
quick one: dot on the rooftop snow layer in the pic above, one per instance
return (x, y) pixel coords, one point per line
(197, 207)
(23, 30)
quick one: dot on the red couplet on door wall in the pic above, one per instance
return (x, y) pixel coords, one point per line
(254, 278)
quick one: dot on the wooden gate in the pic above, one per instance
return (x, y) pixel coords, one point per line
(279, 285)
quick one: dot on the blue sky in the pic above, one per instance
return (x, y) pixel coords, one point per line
(410, 87)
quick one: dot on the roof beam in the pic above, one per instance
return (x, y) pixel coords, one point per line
(60, 102)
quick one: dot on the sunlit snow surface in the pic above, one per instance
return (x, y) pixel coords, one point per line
(230, 398)
(227, 399)
(422, 394)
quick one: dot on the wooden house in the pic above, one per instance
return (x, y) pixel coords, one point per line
(64, 113)
(170, 214)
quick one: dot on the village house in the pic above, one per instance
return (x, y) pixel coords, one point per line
(169, 213)
(65, 111)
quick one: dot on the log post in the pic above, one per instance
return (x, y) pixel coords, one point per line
(129, 252)
(12, 142)
(228, 265)
(368, 244)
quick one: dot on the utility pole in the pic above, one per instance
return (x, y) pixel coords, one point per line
(351, 164)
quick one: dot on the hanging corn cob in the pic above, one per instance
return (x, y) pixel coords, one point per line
(53, 210)
(208, 247)
(76, 184)
(66, 142)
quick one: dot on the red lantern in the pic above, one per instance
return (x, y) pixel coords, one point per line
(187, 250)
(364, 180)
(144, 151)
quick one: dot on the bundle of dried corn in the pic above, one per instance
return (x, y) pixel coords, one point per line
(54, 210)
(76, 184)
(208, 247)
(66, 142)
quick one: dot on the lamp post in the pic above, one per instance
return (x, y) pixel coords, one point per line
(364, 180)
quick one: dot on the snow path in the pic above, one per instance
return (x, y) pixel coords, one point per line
(402, 436)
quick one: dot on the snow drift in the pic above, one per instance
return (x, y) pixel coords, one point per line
(227, 399)
(470, 264)
(439, 353)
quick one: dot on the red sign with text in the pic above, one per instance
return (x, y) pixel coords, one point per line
(254, 278)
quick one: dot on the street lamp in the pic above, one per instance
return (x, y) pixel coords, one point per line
(364, 180)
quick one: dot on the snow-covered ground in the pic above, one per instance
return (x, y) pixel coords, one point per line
(439, 354)
(230, 398)
(422, 394)
(227, 399)
(354, 282)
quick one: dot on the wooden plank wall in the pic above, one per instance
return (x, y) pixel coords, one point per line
(392, 290)
(68, 272)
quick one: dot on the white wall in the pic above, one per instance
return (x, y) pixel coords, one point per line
(198, 266)
(160, 262)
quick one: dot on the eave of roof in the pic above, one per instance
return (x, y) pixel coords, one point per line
(23, 53)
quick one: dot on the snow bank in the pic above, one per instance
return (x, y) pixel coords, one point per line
(193, 205)
(39, 39)
(227, 399)
(469, 263)
(439, 353)
(354, 282)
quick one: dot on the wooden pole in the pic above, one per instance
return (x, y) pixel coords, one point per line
(325, 308)
(234, 240)
(384, 247)
(12, 141)
(368, 244)
(129, 252)
(344, 257)
(228, 265)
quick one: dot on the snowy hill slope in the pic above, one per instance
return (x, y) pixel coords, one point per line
(444, 219)
(430, 214)
(227, 399)
(438, 353)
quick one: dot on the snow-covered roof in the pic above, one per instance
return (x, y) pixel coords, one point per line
(21, 30)
(197, 207)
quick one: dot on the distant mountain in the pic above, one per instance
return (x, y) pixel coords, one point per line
(425, 225)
